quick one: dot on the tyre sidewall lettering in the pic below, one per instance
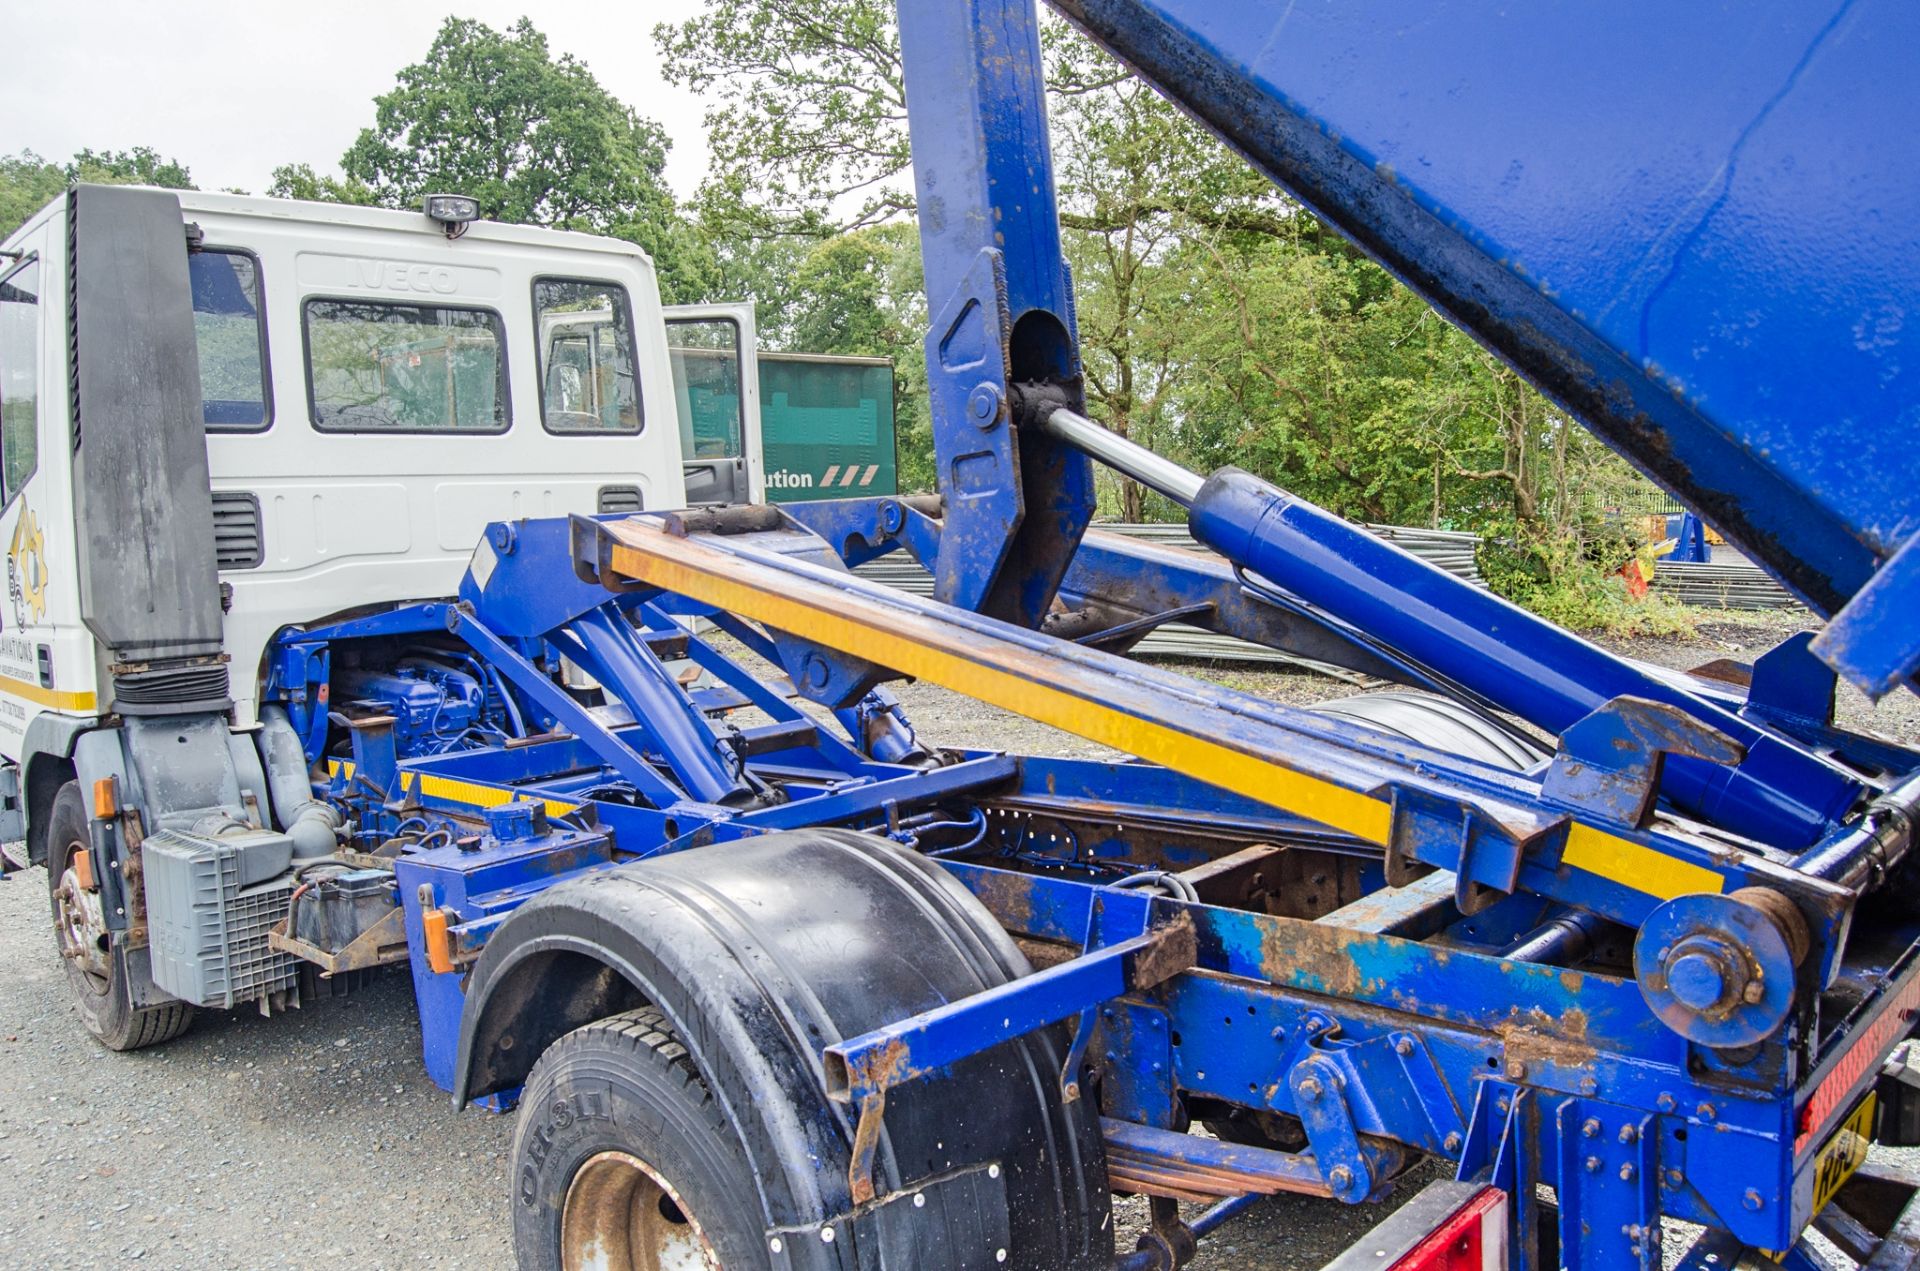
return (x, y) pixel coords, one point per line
(576, 1121)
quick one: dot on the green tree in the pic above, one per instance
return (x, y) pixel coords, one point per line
(810, 133)
(300, 181)
(535, 138)
(141, 165)
(27, 184)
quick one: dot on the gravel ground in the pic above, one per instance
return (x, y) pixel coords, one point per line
(314, 1139)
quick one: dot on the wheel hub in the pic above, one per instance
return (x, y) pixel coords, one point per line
(621, 1215)
(81, 926)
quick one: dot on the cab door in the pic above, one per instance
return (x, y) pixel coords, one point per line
(716, 388)
(46, 654)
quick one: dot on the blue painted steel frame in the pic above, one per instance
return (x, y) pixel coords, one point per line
(1398, 1021)
(1001, 303)
(1423, 1042)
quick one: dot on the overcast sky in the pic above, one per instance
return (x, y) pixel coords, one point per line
(234, 88)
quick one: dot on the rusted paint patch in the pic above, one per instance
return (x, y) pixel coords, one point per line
(887, 1067)
(1409, 976)
(1308, 957)
(1009, 896)
(1174, 949)
(1537, 1037)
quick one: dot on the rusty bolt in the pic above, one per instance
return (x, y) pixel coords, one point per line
(1593, 1165)
(1516, 1069)
(1588, 1085)
(1704, 1111)
(1633, 1231)
(1309, 1088)
(1590, 1128)
(1628, 1134)
(1341, 1177)
(1754, 991)
(1627, 1172)
(1279, 1034)
(1753, 1200)
(1665, 1102)
(1403, 1047)
(1452, 1142)
(1675, 1178)
(1502, 1106)
(1070, 1093)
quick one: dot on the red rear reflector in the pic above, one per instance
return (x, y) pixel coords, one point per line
(1474, 1238)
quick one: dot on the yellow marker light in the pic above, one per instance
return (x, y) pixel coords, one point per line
(104, 803)
(438, 940)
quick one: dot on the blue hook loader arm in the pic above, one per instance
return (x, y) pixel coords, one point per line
(774, 979)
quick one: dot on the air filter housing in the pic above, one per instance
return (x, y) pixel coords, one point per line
(210, 903)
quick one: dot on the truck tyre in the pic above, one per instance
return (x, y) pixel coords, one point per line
(96, 972)
(622, 1159)
(756, 956)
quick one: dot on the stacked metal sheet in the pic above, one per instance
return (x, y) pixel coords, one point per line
(1450, 550)
(1721, 584)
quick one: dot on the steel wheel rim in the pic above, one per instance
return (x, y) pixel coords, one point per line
(621, 1215)
(79, 925)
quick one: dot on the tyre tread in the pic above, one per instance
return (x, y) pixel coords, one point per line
(152, 1025)
(647, 1034)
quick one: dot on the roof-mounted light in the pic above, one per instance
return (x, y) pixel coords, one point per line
(452, 212)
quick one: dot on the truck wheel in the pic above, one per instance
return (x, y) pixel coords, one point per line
(622, 1160)
(96, 971)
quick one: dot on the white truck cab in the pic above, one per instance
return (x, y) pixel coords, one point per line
(376, 387)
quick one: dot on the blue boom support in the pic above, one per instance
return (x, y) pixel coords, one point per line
(1654, 963)
(1702, 239)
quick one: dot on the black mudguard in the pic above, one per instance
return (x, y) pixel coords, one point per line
(764, 951)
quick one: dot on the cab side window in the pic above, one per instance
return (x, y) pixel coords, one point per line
(379, 366)
(19, 377)
(585, 333)
(705, 353)
(230, 330)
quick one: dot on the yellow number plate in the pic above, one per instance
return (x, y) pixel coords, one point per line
(1844, 1153)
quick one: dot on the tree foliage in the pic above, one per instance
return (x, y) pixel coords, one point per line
(300, 181)
(141, 165)
(28, 182)
(534, 138)
(811, 117)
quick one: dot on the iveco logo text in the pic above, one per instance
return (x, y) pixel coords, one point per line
(395, 275)
(852, 475)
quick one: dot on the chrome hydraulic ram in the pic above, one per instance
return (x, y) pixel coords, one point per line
(1777, 793)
